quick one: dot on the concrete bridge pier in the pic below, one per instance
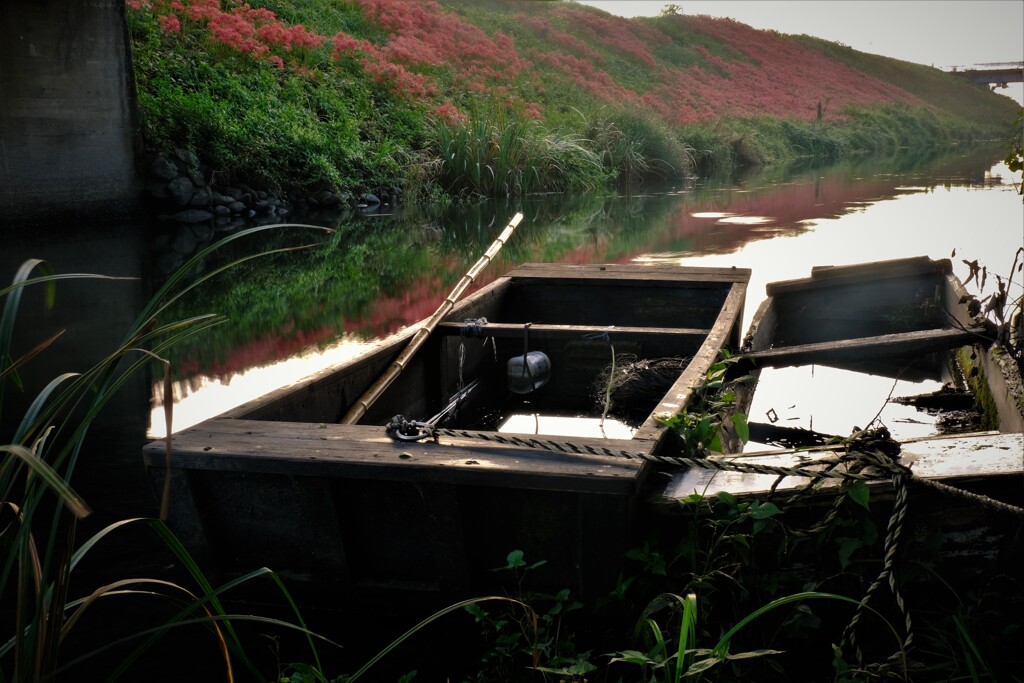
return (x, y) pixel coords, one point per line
(70, 194)
(68, 134)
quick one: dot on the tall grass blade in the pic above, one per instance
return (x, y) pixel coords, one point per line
(29, 355)
(210, 595)
(57, 423)
(53, 481)
(970, 649)
(433, 617)
(10, 310)
(687, 634)
(720, 652)
(160, 630)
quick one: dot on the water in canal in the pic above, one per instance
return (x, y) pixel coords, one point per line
(778, 222)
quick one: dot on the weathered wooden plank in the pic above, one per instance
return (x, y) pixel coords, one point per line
(542, 331)
(910, 264)
(834, 276)
(950, 459)
(612, 273)
(726, 330)
(955, 292)
(357, 451)
(902, 344)
(622, 303)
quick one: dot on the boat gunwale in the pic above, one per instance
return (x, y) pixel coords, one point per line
(304, 449)
(727, 320)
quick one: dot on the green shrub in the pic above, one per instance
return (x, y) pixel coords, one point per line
(503, 155)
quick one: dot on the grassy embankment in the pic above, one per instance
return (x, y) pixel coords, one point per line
(500, 98)
(493, 98)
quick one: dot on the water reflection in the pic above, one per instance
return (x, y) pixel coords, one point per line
(832, 401)
(383, 272)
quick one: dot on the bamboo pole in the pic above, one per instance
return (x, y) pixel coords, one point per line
(360, 407)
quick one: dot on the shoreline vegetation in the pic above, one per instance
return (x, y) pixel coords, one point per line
(275, 106)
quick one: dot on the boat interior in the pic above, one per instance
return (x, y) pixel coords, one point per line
(893, 318)
(540, 344)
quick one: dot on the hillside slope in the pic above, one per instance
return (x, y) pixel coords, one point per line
(303, 97)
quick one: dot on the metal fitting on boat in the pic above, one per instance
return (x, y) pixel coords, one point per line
(528, 372)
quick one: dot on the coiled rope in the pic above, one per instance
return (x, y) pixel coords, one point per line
(405, 430)
(869, 455)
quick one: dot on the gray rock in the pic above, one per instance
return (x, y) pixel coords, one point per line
(369, 199)
(181, 189)
(164, 169)
(187, 157)
(236, 207)
(196, 176)
(201, 198)
(328, 199)
(221, 210)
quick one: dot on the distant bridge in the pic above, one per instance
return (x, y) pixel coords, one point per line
(996, 74)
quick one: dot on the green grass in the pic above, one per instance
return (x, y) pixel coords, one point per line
(282, 131)
(41, 511)
(507, 156)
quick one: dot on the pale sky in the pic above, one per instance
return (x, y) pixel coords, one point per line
(940, 33)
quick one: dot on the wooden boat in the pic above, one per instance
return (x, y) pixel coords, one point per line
(354, 513)
(891, 318)
(906, 318)
(277, 482)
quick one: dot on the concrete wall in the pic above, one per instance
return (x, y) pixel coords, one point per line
(69, 194)
(67, 122)
(1007, 389)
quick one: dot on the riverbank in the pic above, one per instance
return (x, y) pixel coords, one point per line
(390, 269)
(274, 107)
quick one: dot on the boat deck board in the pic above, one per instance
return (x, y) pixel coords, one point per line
(904, 343)
(554, 272)
(515, 331)
(366, 452)
(827, 277)
(952, 458)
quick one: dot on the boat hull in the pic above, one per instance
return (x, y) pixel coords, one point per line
(354, 514)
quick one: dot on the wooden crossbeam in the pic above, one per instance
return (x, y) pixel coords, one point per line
(901, 344)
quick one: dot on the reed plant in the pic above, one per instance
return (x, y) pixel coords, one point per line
(503, 155)
(674, 658)
(40, 511)
(634, 146)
